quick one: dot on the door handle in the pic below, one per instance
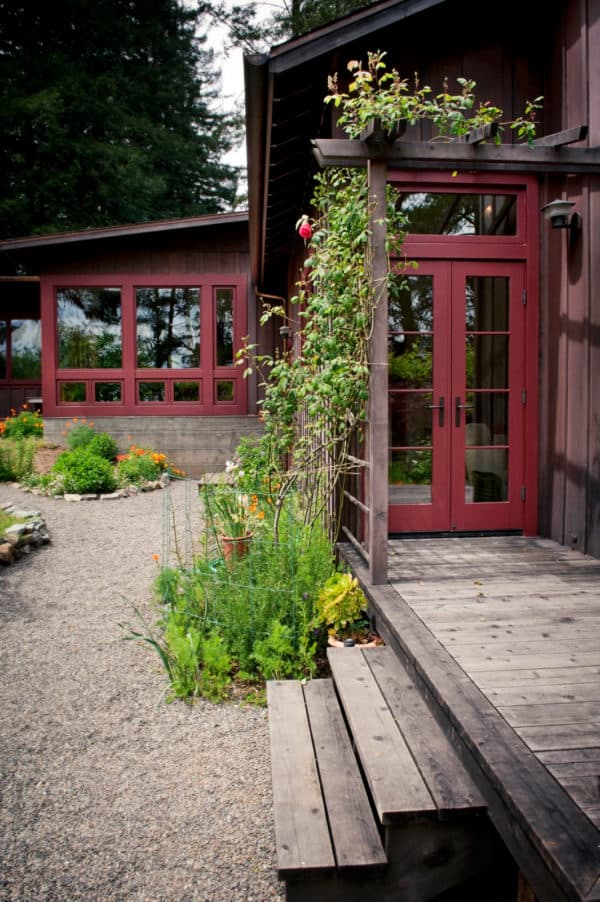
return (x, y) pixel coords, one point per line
(458, 407)
(441, 407)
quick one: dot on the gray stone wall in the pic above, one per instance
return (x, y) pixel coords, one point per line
(197, 445)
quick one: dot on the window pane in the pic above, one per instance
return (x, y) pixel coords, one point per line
(224, 322)
(487, 361)
(89, 328)
(186, 391)
(26, 349)
(410, 477)
(151, 391)
(410, 360)
(410, 418)
(487, 303)
(487, 418)
(2, 349)
(224, 391)
(410, 304)
(70, 392)
(486, 475)
(107, 392)
(441, 213)
(168, 328)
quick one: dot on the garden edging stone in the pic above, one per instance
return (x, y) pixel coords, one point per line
(18, 539)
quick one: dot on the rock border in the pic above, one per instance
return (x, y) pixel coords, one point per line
(125, 492)
(18, 539)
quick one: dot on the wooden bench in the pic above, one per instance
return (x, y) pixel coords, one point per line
(361, 761)
(324, 826)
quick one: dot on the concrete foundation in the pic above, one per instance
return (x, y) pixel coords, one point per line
(196, 445)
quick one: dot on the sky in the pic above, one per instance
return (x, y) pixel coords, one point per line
(230, 61)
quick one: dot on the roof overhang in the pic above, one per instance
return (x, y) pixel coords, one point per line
(122, 231)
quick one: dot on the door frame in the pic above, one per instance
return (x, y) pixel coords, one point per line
(523, 247)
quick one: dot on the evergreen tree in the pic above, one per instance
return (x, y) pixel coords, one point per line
(107, 115)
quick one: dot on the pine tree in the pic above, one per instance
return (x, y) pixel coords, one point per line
(107, 115)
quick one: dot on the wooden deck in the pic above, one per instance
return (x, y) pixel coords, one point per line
(503, 634)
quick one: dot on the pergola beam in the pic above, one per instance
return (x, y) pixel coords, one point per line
(455, 155)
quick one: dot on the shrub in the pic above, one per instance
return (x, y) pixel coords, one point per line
(79, 434)
(84, 473)
(104, 445)
(22, 425)
(16, 459)
(135, 469)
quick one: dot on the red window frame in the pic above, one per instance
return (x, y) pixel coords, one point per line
(208, 374)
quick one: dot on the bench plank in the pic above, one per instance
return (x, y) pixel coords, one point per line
(398, 790)
(450, 786)
(302, 834)
(355, 835)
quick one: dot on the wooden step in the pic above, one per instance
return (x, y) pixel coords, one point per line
(437, 834)
(409, 764)
(324, 823)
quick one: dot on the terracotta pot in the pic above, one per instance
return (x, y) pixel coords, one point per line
(235, 548)
(340, 643)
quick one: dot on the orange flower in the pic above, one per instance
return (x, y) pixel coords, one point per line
(260, 515)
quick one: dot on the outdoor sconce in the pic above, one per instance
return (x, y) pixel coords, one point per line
(558, 213)
(285, 331)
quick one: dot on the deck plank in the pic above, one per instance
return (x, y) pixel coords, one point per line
(355, 836)
(398, 790)
(451, 788)
(303, 842)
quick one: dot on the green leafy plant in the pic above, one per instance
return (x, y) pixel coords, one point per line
(16, 459)
(215, 676)
(24, 424)
(137, 469)
(104, 445)
(378, 93)
(84, 473)
(79, 433)
(279, 658)
(340, 603)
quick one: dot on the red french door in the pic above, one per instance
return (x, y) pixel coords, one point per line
(457, 398)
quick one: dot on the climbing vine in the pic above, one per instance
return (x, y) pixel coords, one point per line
(315, 399)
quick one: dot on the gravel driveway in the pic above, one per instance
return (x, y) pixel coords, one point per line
(108, 792)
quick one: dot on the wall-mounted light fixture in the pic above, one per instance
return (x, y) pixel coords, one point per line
(285, 331)
(558, 213)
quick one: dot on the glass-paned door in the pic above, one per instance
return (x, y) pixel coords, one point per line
(456, 377)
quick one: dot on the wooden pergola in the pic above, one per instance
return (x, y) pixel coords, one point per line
(551, 154)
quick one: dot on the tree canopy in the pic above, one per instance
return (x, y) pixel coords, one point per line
(108, 115)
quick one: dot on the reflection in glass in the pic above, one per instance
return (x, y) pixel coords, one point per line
(70, 392)
(410, 304)
(89, 328)
(186, 391)
(107, 392)
(410, 418)
(410, 360)
(410, 477)
(151, 391)
(224, 323)
(486, 475)
(25, 349)
(445, 213)
(487, 418)
(168, 328)
(486, 361)
(224, 390)
(2, 349)
(487, 303)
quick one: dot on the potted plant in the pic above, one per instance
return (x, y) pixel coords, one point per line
(342, 609)
(231, 513)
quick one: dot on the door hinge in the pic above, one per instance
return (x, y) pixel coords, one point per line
(524, 396)
(524, 297)
(523, 493)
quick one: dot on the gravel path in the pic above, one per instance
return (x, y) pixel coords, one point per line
(108, 792)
